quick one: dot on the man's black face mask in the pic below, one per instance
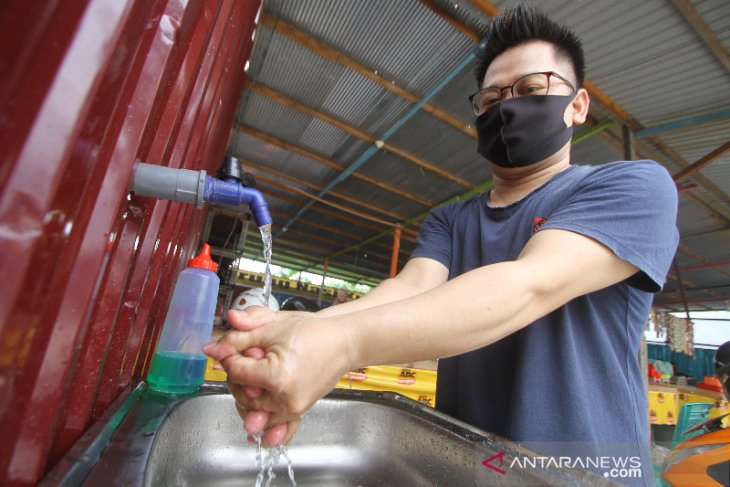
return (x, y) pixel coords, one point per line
(524, 130)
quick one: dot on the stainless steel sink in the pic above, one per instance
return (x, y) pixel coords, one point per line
(349, 438)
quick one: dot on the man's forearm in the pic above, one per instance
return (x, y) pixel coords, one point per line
(464, 314)
(485, 304)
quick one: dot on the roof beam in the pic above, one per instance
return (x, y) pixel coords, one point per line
(685, 122)
(320, 226)
(332, 230)
(441, 12)
(286, 197)
(667, 152)
(692, 301)
(332, 54)
(337, 272)
(315, 261)
(487, 8)
(658, 153)
(705, 232)
(329, 163)
(356, 132)
(703, 31)
(310, 247)
(482, 187)
(699, 259)
(324, 240)
(339, 206)
(261, 168)
(702, 162)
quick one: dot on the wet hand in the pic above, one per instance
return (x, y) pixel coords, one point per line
(255, 421)
(303, 360)
(253, 317)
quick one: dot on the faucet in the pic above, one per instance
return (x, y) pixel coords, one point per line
(196, 187)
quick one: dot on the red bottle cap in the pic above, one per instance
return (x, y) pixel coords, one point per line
(203, 260)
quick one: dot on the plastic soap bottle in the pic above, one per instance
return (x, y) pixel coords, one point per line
(178, 366)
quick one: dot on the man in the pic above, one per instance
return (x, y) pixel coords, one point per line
(342, 297)
(534, 295)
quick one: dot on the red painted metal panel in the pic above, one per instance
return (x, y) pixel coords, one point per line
(86, 89)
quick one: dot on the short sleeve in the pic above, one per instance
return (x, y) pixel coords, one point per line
(631, 208)
(434, 239)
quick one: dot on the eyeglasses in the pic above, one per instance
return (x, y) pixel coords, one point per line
(533, 84)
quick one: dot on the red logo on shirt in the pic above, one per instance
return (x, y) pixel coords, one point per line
(538, 222)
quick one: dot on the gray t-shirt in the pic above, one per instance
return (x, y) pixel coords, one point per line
(570, 382)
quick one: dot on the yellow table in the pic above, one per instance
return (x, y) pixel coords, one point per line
(417, 384)
(665, 402)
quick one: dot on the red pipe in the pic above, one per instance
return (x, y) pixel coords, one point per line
(691, 301)
(708, 265)
(396, 249)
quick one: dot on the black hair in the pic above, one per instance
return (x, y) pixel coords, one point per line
(522, 24)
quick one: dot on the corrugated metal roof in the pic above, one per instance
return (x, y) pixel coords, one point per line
(716, 13)
(383, 198)
(406, 43)
(398, 172)
(644, 55)
(259, 151)
(292, 126)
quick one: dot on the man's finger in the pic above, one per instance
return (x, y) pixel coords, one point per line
(253, 392)
(282, 433)
(276, 434)
(258, 354)
(247, 372)
(255, 421)
(232, 343)
(250, 318)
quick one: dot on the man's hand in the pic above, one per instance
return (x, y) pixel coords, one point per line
(253, 317)
(290, 363)
(256, 421)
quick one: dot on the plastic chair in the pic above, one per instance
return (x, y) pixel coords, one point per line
(690, 415)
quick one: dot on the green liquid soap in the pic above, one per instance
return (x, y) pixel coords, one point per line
(177, 372)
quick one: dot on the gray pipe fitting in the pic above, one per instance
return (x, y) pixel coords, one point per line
(167, 183)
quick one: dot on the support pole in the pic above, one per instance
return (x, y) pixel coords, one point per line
(629, 143)
(212, 212)
(396, 249)
(644, 365)
(321, 287)
(681, 288)
(241, 242)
